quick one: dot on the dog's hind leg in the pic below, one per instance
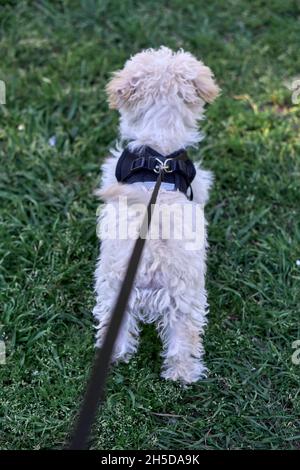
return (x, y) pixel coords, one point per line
(181, 331)
(128, 337)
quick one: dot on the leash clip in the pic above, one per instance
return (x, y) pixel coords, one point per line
(163, 166)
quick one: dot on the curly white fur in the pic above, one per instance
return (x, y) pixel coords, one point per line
(160, 96)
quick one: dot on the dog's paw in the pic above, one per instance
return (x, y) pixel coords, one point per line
(123, 351)
(186, 372)
(119, 356)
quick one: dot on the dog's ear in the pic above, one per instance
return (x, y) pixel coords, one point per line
(196, 79)
(205, 84)
(120, 89)
(117, 89)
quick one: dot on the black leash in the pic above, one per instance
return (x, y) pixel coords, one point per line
(96, 384)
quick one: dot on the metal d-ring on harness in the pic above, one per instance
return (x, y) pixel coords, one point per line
(163, 166)
(95, 388)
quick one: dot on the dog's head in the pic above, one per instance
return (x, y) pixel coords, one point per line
(161, 76)
(161, 96)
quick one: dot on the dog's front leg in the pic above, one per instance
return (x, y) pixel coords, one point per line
(182, 345)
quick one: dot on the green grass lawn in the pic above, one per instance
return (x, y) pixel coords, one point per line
(56, 57)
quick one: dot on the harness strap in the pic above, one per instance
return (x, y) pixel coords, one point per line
(153, 163)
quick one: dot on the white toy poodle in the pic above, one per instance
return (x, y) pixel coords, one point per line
(160, 95)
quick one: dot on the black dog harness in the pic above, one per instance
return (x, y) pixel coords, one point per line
(143, 167)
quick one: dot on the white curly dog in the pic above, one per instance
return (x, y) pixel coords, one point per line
(160, 95)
